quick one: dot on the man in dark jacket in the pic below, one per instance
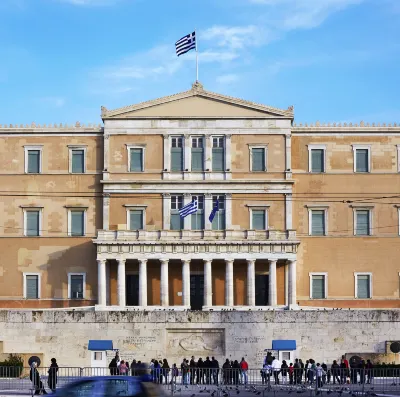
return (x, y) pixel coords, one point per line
(215, 367)
(207, 369)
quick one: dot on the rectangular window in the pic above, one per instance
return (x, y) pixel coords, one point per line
(363, 286)
(136, 220)
(218, 157)
(176, 205)
(197, 154)
(33, 158)
(317, 160)
(76, 286)
(318, 227)
(77, 161)
(32, 222)
(198, 217)
(362, 160)
(258, 219)
(136, 160)
(362, 220)
(318, 286)
(31, 286)
(258, 159)
(218, 222)
(77, 222)
(177, 154)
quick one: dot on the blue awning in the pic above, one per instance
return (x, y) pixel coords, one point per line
(283, 345)
(100, 345)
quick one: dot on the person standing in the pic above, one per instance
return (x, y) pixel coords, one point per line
(123, 370)
(276, 368)
(165, 370)
(52, 379)
(369, 371)
(215, 366)
(244, 367)
(319, 372)
(226, 371)
(335, 370)
(192, 366)
(35, 379)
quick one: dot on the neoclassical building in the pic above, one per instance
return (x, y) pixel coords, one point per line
(305, 215)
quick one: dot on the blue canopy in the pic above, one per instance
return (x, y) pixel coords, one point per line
(100, 345)
(283, 345)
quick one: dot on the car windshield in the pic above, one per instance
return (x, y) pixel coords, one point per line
(122, 387)
(81, 389)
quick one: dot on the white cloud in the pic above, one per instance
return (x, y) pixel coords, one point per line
(227, 78)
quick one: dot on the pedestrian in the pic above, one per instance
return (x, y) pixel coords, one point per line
(35, 379)
(335, 370)
(361, 368)
(207, 370)
(301, 371)
(165, 370)
(369, 370)
(226, 371)
(192, 366)
(319, 372)
(244, 367)
(123, 370)
(236, 372)
(113, 367)
(200, 371)
(175, 374)
(284, 371)
(296, 371)
(325, 368)
(276, 368)
(52, 379)
(291, 372)
(215, 369)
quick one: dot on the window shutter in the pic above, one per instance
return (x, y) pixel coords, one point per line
(77, 223)
(176, 159)
(33, 161)
(78, 161)
(362, 160)
(198, 221)
(197, 159)
(258, 159)
(363, 290)
(258, 221)
(317, 160)
(362, 220)
(219, 221)
(176, 222)
(318, 287)
(32, 287)
(218, 159)
(32, 223)
(76, 287)
(136, 220)
(317, 223)
(136, 160)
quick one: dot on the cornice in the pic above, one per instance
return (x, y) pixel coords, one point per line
(343, 127)
(33, 127)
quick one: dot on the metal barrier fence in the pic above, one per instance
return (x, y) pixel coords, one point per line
(226, 382)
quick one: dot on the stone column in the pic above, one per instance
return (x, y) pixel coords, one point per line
(143, 282)
(207, 283)
(208, 206)
(186, 282)
(106, 212)
(251, 282)
(208, 153)
(166, 211)
(167, 153)
(292, 283)
(121, 283)
(228, 211)
(101, 283)
(187, 151)
(164, 282)
(229, 282)
(272, 283)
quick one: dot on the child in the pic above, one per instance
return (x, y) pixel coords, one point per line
(291, 372)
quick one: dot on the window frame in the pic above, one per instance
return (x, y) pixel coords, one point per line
(130, 208)
(325, 275)
(370, 215)
(310, 149)
(259, 208)
(317, 208)
(218, 212)
(362, 147)
(83, 285)
(71, 148)
(182, 138)
(143, 149)
(203, 148)
(25, 284)
(198, 196)
(259, 146)
(69, 226)
(32, 209)
(28, 148)
(356, 274)
(223, 147)
(182, 223)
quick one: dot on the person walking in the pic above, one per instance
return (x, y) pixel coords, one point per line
(52, 379)
(35, 379)
(276, 368)
(244, 367)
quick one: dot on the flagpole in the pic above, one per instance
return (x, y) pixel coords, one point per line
(197, 58)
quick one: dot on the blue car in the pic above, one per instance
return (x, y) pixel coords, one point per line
(110, 386)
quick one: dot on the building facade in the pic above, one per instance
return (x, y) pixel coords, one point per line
(308, 215)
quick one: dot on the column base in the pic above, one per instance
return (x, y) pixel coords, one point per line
(141, 308)
(293, 307)
(243, 308)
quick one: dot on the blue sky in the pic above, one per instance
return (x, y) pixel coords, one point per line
(334, 60)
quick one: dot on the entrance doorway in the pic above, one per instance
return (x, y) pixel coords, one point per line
(196, 291)
(132, 290)
(262, 287)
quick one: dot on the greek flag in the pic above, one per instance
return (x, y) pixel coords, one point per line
(185, 44)
(188, 209)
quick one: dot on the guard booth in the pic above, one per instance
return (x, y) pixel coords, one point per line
(286, 349)
(98, 356)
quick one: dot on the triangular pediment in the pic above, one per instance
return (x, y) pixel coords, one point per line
(197, 103)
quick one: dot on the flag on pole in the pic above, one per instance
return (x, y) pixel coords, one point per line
(214, 211)
(188, 209)
(185, 44)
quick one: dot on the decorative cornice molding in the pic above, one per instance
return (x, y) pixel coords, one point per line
(77, 126)
(361, 125)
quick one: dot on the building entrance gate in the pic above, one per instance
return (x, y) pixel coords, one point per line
(196, 291)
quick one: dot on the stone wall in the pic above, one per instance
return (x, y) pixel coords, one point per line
(323, 335)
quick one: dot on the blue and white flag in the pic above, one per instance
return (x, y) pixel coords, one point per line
(188, 209)
(185, 44)
(214, 211)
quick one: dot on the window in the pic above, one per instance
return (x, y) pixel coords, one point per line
(198, 217)
(362, 222)
(135, 159)
(77, 161)
(218, 222)
(197, 154)
(98, 356)
(318, 285)
(317, 219)
(316, 158)
(176, 154)
(258, 159)
(76, 222)
(363, 287)
(32, 222)
(136, 219)
(361, 158)
(31, 285)
(176, 205)
(258, 219)
(218, 153)
(76, 285)
(33, 161)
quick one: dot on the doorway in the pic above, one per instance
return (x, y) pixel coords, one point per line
(262, 289)
(196, 291)
(132, 290)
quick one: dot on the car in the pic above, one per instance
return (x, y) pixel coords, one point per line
(110, 386)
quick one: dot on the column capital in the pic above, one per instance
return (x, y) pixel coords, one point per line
(229, 260)
(187, 194)
(187, 136)
(166, 195)
(208, 195)
(101, 261)
(121, 260)
(164, 261)
(228, 136)
(207, 260)
(142, 260)
(271, 261)
(291, 261)
(228, 195)
(165, 136)
(249, 261)
(185, 260)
